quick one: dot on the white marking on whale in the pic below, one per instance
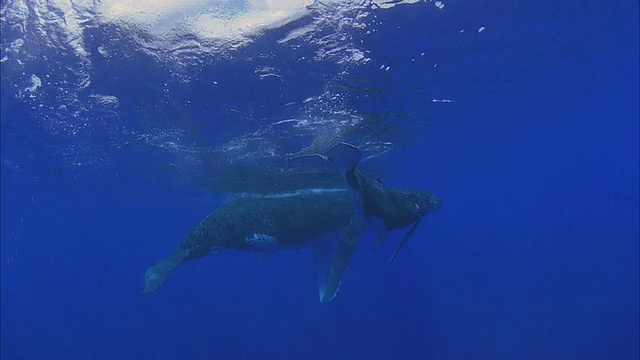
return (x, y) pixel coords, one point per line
(262, 242)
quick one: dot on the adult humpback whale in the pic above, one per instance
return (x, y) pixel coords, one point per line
(294, 220)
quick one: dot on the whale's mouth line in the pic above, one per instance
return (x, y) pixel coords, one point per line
(409, 233)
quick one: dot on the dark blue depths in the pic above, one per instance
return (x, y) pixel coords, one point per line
(533, 255)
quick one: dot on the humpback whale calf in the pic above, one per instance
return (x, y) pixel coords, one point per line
(297, 219)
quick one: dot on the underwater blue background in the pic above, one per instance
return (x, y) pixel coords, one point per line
(534, 254)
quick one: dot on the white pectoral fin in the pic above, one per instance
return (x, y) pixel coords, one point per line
(347, 244)
(322, 258)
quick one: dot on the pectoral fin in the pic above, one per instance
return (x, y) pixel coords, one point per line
(407, 236)
(322, 258)
(347, 244)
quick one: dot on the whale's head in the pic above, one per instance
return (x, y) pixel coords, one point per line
(426, 202)
(420, 204)
(399, 208)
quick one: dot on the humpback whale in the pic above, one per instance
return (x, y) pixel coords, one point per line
(299, 219)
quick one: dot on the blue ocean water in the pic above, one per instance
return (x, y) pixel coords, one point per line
(124, 125)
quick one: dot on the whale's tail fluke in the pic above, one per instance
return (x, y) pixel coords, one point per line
(345, 156)
(156, 274)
